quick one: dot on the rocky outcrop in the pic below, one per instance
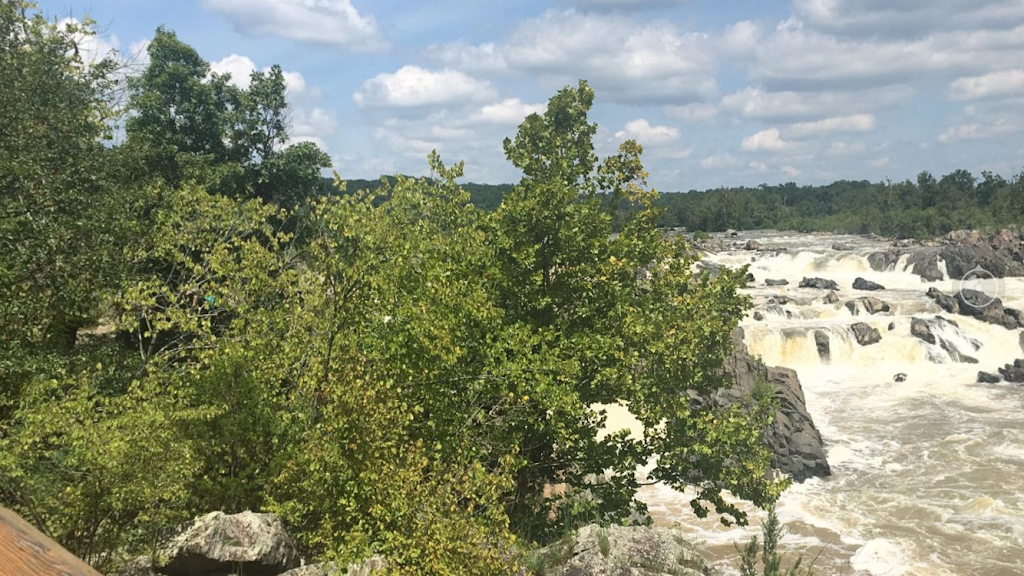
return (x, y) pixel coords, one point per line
(819, 283)
(795, 442)
(824, 346)
(882, 261)
(217, 543)
(841, 247)
(865, 334)
(831, 298)
(753, 245)
(988, 378)
(770, 282)
(1000, 254)
(925, 330)
(1013, 372)
(869, 304)
(620, 551)
(986, 308)
(862, 284)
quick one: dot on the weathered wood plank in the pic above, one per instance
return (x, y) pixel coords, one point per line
(25, 551)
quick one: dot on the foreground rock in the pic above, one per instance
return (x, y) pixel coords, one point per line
(927, 331)
(986, 308)
(987, 378)
(822, 343)
(862, 284)
(819, 283)
(753, 245)
(1013, 372)
(831, 298)
(620, 551)
(869, 304)
(770, 282)
(841, 247)
(247, 543)
(865, 334)
(795, 442)
(367, 567)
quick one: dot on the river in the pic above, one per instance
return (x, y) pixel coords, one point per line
(928, 473)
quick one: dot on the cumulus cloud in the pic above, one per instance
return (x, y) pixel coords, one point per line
(241, 68)
(1005, 82)
(766, 140)
(719, 161)
(333, 22)
(458, 55)
(693, 113)
(510, 112)
(990, 128)
(790, 171)
(92, 48)
(762, 104)
(642, 131)
(415, 86)
(852, 123)
(906, 17)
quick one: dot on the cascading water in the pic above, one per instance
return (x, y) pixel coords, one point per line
(928, 473)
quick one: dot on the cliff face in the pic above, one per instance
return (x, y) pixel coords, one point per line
(793, 438)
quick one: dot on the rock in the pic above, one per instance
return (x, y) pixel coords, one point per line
(955, 354)
(796, 445)
(882, 261)
(841, 247)
(901, 377)
(892, 326)
(925, 263)
(141, 566)
(731, 233)
(986, 308)
(922, 329)
(947, 303)
(758, 316)
(770, 282)
(964, 258)
(623, 551)
(853, 307)
(753, 245)
(750, 278)
(862, 284)
(1013, 372)
(819, 283)
(1021, 341)
(870, 304)
(821, 342)
(831, 298)
(865, 334)
(371, 565)
(781, 300)
(987, 378)
(255, 544)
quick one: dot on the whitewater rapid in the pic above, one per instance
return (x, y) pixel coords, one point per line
(928, 473)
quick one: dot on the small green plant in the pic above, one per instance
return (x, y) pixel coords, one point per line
(701, 235)
(771, 560)
(602, 542)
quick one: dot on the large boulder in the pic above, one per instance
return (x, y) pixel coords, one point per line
(928, 331)
(831, 298)
(870, 304)
(217, 543)
(796, 445)
(841, 247)
(862, 284)
(980, 305)
(1013, 372)
(925, 263)
(988, 378)
(882, 261)
(620, 551)
(753, 245)
(771, 282)
(922, 330)
(368, 567)
(865, 334)
(819, 283)
(822, 343)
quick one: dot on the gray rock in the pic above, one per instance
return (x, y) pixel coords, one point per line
(901, 377)
(925, 263)
(870, 304)
(367, 567)
(1013, 372)
(770, 282)
(988, 378)
(731, 233)
(819, 283)
(254, 544)
(841, 247)
(862, 284)
(865, 334)
(892, 326)
(831, 298)
(821, 342)
(796, 445)
(622, 551)
(923, 330)
(882, 261)
(141, 566)
(753, 245)
(1021, 341)
(758, 316)
(781, 300)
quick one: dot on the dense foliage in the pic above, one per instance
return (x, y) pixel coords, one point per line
(921, 209)
(190, 325)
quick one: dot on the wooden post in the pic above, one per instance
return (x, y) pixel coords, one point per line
(25, 551)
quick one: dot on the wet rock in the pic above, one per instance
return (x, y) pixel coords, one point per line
(831, 298)
(782, 300)
(882, 261)
(965, 258)
(796, 445)
(623, 551)
(955, 354)
(770, 282)
(1013, 372)
(946, 302)
(758, 316)
(731, 233)
(865, 334)
(925, 264)
(750, 278)
(988, 378)
(753, 245)
(975, 303)
(1021, 341)
(901, 377)
(254, 544)
(923, 330)
(841, 247)
(371, 565)
(821, 342)
(892, 326)
(862, 284)
(853, 307)
(870, 304)
(819, 283)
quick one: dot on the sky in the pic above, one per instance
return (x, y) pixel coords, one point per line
(718, 93)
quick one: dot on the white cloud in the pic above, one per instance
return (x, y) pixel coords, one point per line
(334, 22)
(879, 162)
(719, 161)
(853, 123)
(766, 140)
(759, 166)
(767, 105)
(415, 86)
(693, 113)
(845, 149)
(990, 128)
(482, 58)
(790, 171)
(92, 48)
(906, 17)
(242, 67)
(511, 112)
(995, 84)
(642, 131)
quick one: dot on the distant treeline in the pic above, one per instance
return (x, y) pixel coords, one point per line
(921, 208)
(485, 196)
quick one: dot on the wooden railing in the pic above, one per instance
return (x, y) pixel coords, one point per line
(25, 551)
